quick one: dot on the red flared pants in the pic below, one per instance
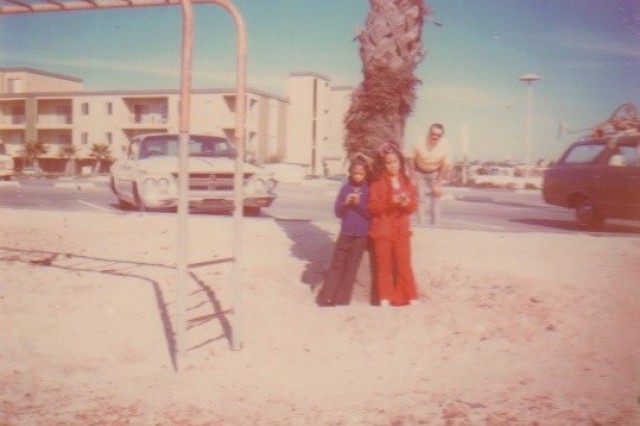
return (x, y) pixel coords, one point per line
(394, 274)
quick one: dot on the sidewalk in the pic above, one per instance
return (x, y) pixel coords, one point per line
(513, 329)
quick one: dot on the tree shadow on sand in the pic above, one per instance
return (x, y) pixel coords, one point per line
(146, 272)
(312, 245)
(315, 246)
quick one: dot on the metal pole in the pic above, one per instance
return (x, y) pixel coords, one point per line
(465, 152)
(527, 138)
(528, 79)
(182, 244)
(238, 178)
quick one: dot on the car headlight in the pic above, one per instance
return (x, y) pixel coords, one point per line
(271, 184)
(256, 186)
(260, 185)
(158, 186)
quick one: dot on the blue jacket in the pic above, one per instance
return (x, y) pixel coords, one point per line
(355, 218)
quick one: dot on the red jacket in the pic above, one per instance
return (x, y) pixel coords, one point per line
(390, 220)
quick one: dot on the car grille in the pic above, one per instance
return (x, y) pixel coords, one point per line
(212, 181)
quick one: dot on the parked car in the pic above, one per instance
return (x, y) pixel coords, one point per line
(599, 178)
(511, 177)
(147, 178)
(6, 164)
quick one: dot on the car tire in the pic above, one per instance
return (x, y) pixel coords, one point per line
(251, 211)
(587, 214)
(112, 185)
(139, 203)
(123, 204)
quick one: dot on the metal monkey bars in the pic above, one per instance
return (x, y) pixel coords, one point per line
(8, 7)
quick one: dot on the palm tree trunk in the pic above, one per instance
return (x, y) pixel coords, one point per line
(97, 166)
(36, 166)
(390, 49)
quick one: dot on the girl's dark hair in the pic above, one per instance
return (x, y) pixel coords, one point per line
(359, 159)
(385, 149)
(358, 162)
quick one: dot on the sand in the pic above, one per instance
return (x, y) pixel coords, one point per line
(513, 328)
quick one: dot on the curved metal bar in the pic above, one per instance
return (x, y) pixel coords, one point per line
(8, 7)
(182, 237)
(241, 108)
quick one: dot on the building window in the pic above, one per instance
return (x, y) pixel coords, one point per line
(63, 114)
(84, 138)
(109, 108)
(109, 138)
(85, 108)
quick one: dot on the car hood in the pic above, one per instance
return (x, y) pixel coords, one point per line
(196, 165)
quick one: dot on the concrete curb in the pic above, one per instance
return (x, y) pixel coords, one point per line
(77, 185)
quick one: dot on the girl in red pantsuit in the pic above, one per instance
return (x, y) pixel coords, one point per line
(392, 200)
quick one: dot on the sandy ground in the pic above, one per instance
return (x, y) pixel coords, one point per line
(513, 328)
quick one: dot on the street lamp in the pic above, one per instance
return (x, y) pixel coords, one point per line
(528, 79)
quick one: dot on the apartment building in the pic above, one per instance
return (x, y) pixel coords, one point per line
(55, 109)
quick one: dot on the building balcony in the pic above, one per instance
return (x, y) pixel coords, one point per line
(54, 121)
(138, 121)
(12, 121)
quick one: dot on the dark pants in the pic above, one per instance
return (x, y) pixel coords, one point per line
(338, 285)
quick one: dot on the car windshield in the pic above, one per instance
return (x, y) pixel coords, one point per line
(582, 154)
(210, 146)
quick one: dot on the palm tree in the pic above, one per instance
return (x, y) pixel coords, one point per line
(31, 151)
(390, 50)
(101, 152)
(69, 152)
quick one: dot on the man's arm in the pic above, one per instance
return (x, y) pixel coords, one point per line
(411, 164)
(445, 167)
(411, 168)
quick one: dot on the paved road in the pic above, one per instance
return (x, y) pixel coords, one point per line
(463, 208)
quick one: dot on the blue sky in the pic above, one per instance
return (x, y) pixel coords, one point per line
(587, 53)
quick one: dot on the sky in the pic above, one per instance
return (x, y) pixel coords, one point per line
(586, 53)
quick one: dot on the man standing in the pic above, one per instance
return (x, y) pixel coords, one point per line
(429, 164)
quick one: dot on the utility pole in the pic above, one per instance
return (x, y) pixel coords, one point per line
(528, 79)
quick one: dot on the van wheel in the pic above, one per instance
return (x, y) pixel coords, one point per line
(587, 214)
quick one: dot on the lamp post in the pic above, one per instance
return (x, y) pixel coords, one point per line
(528, 79)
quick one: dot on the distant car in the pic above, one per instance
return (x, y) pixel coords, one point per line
(599, 178)
(148, 177)
(6, 164)
(513, 177)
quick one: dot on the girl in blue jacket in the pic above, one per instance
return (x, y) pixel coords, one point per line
(351, 207)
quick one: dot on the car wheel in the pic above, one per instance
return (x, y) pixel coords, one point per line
(123, 204)
(251, 211)
(139, 203)
(112, 185)
(587, 214)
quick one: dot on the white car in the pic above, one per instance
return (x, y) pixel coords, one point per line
(148, 177)
(6, 164)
